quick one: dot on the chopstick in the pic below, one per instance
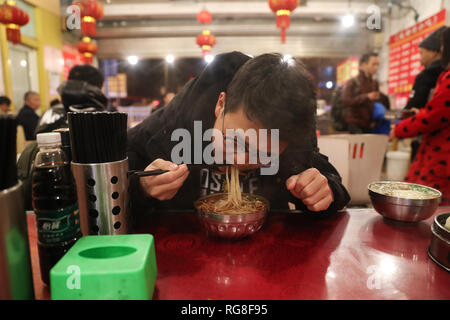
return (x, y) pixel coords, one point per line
(156, 172)
(146, 173)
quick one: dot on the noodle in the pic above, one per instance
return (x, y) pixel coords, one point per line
(233, 203)
(405, 191)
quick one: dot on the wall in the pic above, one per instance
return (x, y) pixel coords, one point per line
(52, 6)
(43, 30)
(48, 31)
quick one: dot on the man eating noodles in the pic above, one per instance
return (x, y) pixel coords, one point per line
(270, 96)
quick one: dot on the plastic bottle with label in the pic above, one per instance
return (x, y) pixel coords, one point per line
(54, 203)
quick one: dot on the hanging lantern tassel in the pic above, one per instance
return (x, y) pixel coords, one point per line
(89, 26)
(87, 57)
(206, 50)
(13, 33)
(282, 10)
(206, 41)
(283, 22)
(88, 49)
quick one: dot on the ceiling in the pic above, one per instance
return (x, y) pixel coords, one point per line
(156, 28)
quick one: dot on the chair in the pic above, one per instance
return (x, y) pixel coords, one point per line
(366, 154)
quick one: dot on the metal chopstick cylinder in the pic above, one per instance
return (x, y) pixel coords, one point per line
(101, 172)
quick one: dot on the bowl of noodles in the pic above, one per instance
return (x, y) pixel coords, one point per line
(401, 201)
(232, 214)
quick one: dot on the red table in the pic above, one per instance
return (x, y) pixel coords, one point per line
(353, 255)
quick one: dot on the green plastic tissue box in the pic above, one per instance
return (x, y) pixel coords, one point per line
(115, 267)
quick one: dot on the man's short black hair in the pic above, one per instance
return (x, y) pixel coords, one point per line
(87, 73)
(5, 100)
(276, 92)
(28, 94)
(445, 42)
(365, 58)
(54, 102)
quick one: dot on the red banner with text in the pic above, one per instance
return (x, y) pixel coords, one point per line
(347, 70)
(71, 58)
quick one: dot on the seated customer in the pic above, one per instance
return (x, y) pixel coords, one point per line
(27, 116)
(236, 92)
(5, 105)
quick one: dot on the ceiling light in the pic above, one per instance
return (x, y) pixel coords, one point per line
(348, 20)
(23, 63)
(329, 85)
(287, 57)
(133, 60)
(170, 58)
(209, 58)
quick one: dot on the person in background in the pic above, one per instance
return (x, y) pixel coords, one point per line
(81, 92)
(27, 116)
(360, 93)
(5, 105)
(430, 58)
(431, 166)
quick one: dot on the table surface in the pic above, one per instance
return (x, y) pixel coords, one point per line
(351, 255)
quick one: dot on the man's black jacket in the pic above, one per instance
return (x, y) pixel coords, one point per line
(424, 83)
(151, 139)
(29, 120)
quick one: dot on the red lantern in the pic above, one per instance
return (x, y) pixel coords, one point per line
(283, 9)
(206, 41)
(88, 49)
(14, 18)
(90, 11)
(204, 17)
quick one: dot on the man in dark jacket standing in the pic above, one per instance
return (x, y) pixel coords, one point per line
(360, 93)
(27, 116)
(237, 92)
(430, 58)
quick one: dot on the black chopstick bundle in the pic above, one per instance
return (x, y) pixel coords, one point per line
(98, 137)
(8, 152)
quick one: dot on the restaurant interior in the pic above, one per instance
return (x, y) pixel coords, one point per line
(97, 202)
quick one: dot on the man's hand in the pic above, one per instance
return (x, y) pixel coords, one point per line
(375, 95)
(166, 185)
(312, 188)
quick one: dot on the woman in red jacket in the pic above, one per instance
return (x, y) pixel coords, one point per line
(431, 166)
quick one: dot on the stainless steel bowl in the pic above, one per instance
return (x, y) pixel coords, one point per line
(401, 209)
(231, 226)
(439, 249)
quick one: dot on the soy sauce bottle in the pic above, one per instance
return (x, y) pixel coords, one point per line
(54, 203)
